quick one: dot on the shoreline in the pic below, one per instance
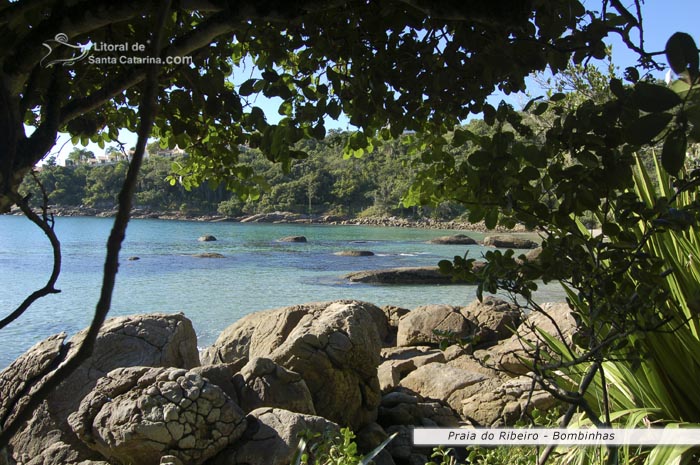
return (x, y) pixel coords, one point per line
(287, 218)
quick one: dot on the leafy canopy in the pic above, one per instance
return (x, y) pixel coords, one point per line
(390, 66)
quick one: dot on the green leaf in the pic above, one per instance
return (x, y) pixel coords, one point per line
(247, 87)
(540, 108)
(654, 99)
(531, 102)
(491, 219)
(480, 158)
(610, 229)
(646, 128)
(489, 114)
(558, 97)
(674, 152)
(682, 54)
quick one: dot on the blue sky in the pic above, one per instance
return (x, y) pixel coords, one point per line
(661, 19)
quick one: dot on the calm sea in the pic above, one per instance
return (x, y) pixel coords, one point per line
(257, 272)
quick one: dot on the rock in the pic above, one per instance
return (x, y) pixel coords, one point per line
(400, 448)
(511, 353)
(141, 340)
(274, 217)
(469, 363)
(438, 381)
(138, 414)
(208, 255)
(405, 275)
(496, 403)
(258, 333)
(393, 314)
(337, 354)
(510, 242)
(408, 275)
(533, 256)
(206, 238)
(354, 253)
(389, 376)
(222, 375)
(419, 325)
(369, 438)
(292, 239)
(495, 319)
(263, 383)
(457, 239)
(334, 346)
(407, 359)
(272, 437)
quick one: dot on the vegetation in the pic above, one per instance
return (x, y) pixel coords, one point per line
(633, 287)
(323, 183)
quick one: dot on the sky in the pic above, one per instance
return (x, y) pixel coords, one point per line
(661, 18)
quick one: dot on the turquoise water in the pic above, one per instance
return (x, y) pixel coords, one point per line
(257, 272)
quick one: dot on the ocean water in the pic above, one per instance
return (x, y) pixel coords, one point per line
(256, 273)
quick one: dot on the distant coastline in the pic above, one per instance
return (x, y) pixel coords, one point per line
(281, 217)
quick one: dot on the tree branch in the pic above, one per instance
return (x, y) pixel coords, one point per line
(49, 288)
(147, 112)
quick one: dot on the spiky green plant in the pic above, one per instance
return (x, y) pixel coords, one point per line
(652, 378)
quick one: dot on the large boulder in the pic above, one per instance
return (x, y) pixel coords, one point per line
(258, 333)
(273, 437)
(512, 354)
(495, 319)
(334, 346)
(439, 381)
(138, 414)
(165, 340)
(404, 407)
(263, 383)
(337, 354)
(500, 403)
(419, 326)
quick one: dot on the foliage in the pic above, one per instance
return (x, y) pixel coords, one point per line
(632, 286)
(334, 449)
(321, 184)
(389, 66)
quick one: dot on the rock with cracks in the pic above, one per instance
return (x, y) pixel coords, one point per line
(136, 415)
(272, 437)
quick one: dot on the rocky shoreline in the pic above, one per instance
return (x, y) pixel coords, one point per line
(284, 218)
(148, 396)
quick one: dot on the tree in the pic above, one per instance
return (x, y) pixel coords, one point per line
(79, 156)
(390, 66)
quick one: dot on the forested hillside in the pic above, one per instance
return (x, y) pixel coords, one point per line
(324, 183)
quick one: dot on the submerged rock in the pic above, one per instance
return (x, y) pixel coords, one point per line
(354, 253)
(208, 255)
(292, 239)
